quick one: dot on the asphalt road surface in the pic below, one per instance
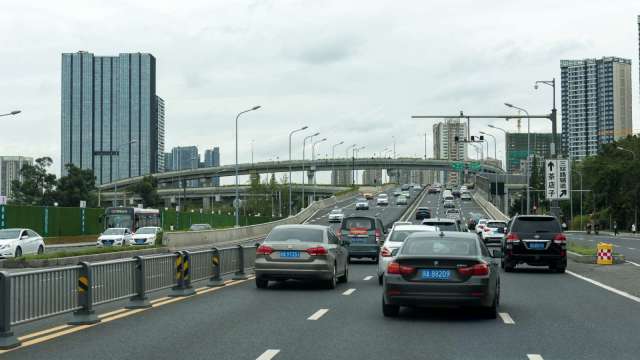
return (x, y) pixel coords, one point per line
(543, 315)
(627, 245)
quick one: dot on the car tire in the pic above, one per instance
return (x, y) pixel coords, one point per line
(40, 250)
(262, 283)
(331, 283)
(18, 252)
(376, 259)
(389, 310)
(556, 268)
(491, 312)
(508, 266)
(345, 277)
(379, 279)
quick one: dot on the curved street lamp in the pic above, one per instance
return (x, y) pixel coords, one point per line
(14, 112)
(528, 152)
(290, 181)
(237, 201)
(313, 156)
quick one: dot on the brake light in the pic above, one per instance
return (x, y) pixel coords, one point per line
(385, 252)
(512, 238)
(397, 269)
(481, 269)
(378, 234)
(560, 239)
(264, 250)
(317, 251)
(487, 230)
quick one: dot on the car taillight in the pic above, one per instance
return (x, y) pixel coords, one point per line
(385, 252)
(314, 251)
(397, 269)
(481, 269)
(378, 234)
(560, 239)
(339, 234)
(487, 230)
(512, 238)
(264, 250)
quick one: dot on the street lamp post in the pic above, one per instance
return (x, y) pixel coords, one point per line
(627, 150)
(528, 153)
(304, 147)
(495, 154)
(555, 209)
(506, 169)
(333, 156)
(353, 160)
(290, 181)
(14, 112)
(313, 157)
(237, 200)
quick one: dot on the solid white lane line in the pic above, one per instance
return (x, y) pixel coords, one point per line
(534, 357)
(268, 355)
(632, 248)
(318, 314)
(349, 292)
(606, 287)
(633, 263)
(506, 318)
(368, 278)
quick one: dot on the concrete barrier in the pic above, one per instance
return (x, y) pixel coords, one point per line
(480, 198)
(74, 260)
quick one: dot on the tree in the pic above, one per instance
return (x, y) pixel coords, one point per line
(36, 186)
(78, 184)
(147, 189)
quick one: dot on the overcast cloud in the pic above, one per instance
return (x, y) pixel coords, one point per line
(353, 70)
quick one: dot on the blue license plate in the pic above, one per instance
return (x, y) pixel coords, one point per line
(435, 274)
(536, 245)
(359, 240)
(290, 254)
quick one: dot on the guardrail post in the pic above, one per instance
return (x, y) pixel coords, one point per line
(183, 276)
(7, 339)
(240, 274)
(215, 280)
(140, 300)
(86, 315)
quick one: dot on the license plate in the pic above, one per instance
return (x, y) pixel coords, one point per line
(290, 254)
(536, 245)
(435, 274)
(358, 240)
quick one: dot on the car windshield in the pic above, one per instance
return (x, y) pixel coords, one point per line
(536, 225)
(295, 235)
(336, 211)
(382, 195)
(453, 211)
(362, 200)
(358, 223)
(146, 230)
(113, 232)
(440, 246)
(496, 224)
(9, 234)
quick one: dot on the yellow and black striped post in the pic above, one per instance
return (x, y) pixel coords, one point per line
(183, 276)
(85, 315)
(215, 280)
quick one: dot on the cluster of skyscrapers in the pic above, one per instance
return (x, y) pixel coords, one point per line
(188, 157)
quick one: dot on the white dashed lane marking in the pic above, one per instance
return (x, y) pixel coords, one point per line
(268, 355)
(349, 292)
(506, 318)
(368, 278)
(318, 314)
(534, 357)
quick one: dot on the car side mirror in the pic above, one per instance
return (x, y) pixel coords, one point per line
(496, 253)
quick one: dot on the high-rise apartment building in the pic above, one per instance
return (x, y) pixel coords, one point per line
(9, 171)
(516, 148)
(168, 162)
(596, 104)
(161, 165)
(212, 159)
(110, 114)
(446, 148)
(185, 157)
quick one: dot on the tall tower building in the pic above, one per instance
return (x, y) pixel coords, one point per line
(596, 104)
(212, 159)
(160, 104)
(10, 167)
(109, 114)
(445, 146)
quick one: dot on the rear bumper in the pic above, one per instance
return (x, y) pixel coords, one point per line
(479, 293)
(283, 271)
(535, 259)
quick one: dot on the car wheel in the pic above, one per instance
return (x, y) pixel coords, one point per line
(331, 283)
(492, 311)
(18, 252)
(379, 279)
(40, 250)
(345, 277)
(390, 310)
(262, 283)
(560, 269)
(376, 259)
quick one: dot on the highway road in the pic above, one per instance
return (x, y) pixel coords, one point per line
(627, 245)
(543, 315)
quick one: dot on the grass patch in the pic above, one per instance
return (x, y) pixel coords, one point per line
(582, 250)
(347, 191)
(81, 252)
(70, 239)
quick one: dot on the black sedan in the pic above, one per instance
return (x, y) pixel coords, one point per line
(442, 269)
(423, 213)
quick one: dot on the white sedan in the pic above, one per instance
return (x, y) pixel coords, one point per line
(336, 215)
(115, 237)
(394, 241)
(147, 235)
(18, 242)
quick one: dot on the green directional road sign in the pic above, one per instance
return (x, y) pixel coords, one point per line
(474, 166)
(458, 166)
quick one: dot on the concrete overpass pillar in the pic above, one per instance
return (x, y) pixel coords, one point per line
(206, 202)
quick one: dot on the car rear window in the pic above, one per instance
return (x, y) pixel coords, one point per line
(440, 246)
(295, 235)
(442, 226)
(401, 235)
(536, 225)
(358, 223)
(497, 224)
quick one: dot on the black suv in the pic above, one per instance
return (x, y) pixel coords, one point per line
(534, 240)
(423, 213)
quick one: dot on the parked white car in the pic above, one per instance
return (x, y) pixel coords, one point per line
(394, 241)
(336, 215)
(18, 242)
(147, 235)
(115, 237)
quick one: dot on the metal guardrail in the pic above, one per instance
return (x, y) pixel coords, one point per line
(34, 295)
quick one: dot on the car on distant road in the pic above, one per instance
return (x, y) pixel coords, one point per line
(480, 225)
(394, 241)
(19, 242)
(302, 252)
(401, 200)
(465, 196)
(147, 235)
(442, 269)
(452, 213)
(443, 224)
(365, 235)
(397, 193)
(456, 193)
(423, 213)
(336, 215)
(405, 187)
(449, 204)
(382, 199)
(406, 194)
(362, 204)
(432, 190)
(199, 227)
(493, 231)
(535, 240)
(463, 188)
(115, 237)
(368, 196)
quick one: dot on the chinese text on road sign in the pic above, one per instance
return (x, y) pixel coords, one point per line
(557, 179)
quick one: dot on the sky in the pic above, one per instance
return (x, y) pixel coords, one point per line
(353, 70)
